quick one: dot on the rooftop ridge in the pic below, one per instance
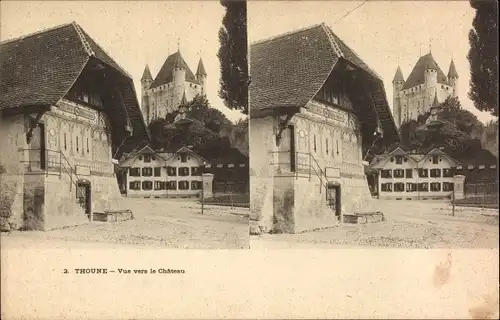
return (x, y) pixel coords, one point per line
(334, 43)
(86, 44)
(284, 34)
(103, 50)
(36, 33)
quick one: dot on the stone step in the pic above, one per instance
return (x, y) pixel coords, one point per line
(113, 215)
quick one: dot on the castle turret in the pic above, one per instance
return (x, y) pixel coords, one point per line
(453, 77)
(146, 81)
(431, 70)
(179, 70)
(201, 76)
(397, 84)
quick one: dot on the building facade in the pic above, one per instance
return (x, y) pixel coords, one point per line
(402, 175)
(308, 129)
(57, 94)
(163, 94)
(151, 174)
(415, 95)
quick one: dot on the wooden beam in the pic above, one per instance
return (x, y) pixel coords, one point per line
(32, 125)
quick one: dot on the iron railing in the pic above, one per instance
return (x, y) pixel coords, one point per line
(298, 166)
(50, 161)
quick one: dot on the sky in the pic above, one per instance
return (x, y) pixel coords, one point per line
(382, 33)
(133, 33)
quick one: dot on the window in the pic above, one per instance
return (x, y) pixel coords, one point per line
(183, 185)
(135, 185)
(387, 187)
(435, 186)
(411, 187)
(147, 172)
(85, 97)
(386, 173)
(183, 158)
(195, 171)
(171, 171)
(183, 171)
(153, 158)
(447, 173)
(65, 146)
(447, 186)
(435, 159)
(157, 172)
(196, 185)
(337, 146)
(399, 173)
(399, 159)
(88, 145)
(147, 158)
(435, 173)
(171, 185)
(77, 145)
(147, 185)
(423, 173)
(399, 187)
(140, 158)
(314, 143)
(424, 186)
(409, 173)
(326, 145)
(159, 185)
(135, 172)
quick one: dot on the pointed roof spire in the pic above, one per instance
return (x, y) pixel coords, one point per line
(399, 75)
(183, 100)
(201, 69)
(178, 62)
(146, 75)
(452, 72)
(435, 103)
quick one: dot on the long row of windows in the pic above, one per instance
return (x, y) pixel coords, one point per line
(422, 173)
(171, 171)
(165, 185)
(401, 159)
(413, 187)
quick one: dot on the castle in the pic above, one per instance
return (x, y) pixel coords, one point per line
(426, 83)
(175, 84)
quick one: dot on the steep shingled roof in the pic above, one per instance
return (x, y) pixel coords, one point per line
(40, 68)
(201, 69)
(288, 71)
(417, 75)
(165, 75)
(146, 75)
(452, 72)
(399, 75)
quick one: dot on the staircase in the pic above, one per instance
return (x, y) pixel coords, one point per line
(315, 170)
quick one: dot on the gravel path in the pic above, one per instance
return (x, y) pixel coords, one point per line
(410, 224)
(157, 223)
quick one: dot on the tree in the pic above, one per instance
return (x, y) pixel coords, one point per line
(210, 132)
(456, 135)
(483, 56)
(233, 56)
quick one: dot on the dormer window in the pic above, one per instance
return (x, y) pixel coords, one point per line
(85, 97)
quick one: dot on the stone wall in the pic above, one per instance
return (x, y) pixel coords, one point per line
(261, 142)
(12, 137)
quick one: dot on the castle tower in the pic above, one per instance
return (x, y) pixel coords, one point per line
(453, 77)
(146, 81)
(178, 77)
(201, 76)
(430, 80)
(397, 84)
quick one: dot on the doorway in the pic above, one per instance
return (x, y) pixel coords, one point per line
(333, 197)
(83, 196)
